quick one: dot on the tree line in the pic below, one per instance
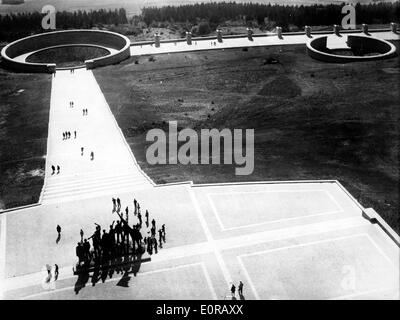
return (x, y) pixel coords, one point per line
(15, 26)
(314, 15)
(204, 16)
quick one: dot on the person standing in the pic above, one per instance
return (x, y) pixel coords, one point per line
(140, 219)
(79, 252)
(58, 228)
(53, 168)
(160, 237)
(233, 290)
(127, 214)
(58, 169)
(81, 151)
(86, 250)
(105, 245)
(118, 204)
(81, 234)
(240, 288)
(147, 218)
(155, 245)
(151, 246)
(126, 228)
(56, 272)
(92, 155)
(163, 231)
(74, 134)
(118, 231)
(111, 238)
(114, 204)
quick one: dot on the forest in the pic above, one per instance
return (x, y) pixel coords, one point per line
(206, 16)
(314, 15)
(15, 26)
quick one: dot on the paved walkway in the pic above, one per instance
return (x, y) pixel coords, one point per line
(113, 166)
(268, 40)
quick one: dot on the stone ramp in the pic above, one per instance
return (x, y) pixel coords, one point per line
(113, 168)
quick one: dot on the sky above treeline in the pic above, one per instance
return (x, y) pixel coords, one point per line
(133, 6)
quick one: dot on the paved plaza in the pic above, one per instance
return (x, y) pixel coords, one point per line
(303, 248)
(283, 240)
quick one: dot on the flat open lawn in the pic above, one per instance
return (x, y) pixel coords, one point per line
(312, 120)
(24, 118)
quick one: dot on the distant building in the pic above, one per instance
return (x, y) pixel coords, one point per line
(12, 1)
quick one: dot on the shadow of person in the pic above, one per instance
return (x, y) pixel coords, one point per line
(137, 262)
(104, 273)
(124, 281)
(241, 296)
(83, 278)
(111, 271)
(58, 238)
(95, 275)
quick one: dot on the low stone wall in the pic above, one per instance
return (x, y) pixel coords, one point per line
(62, 38)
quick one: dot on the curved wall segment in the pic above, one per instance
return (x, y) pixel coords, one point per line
(364, 48)
(118, 44)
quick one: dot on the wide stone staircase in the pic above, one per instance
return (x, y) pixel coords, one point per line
(93, 184)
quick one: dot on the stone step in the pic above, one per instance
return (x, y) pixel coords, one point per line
(92, 175)
(58, 198)
(90, 188)
(133, 176)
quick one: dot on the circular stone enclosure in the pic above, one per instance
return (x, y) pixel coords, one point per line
(363, 48)
(14, 54)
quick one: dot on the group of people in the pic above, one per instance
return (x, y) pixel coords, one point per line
(121, 238)
(53, 170)
(71, 104)
(91, 153)
(67, 135)
(84, 112)
(240, 289)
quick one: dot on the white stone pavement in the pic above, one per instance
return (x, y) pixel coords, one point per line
(267, 40)
(113, 167)
(210, 245)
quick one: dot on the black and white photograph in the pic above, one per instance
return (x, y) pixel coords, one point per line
(193, 150)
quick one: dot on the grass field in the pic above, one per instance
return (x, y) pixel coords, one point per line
(24, 116)
(312, 120)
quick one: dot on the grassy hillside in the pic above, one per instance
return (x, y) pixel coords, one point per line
(24, 116)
